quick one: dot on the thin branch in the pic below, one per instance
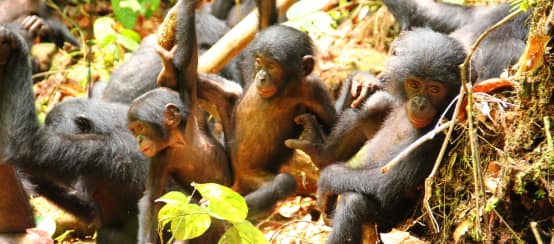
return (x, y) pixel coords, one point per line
(428, 136)
(463, 89)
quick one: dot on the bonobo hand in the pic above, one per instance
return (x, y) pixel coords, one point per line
(50, 29)
(313, 137)
(363, 85)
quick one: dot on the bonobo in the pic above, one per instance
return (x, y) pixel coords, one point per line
(85, 140)
(499, 50)
(421, 79)
(179, 142)
(280, 89)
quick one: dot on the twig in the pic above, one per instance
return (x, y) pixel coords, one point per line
(463, 89)
(507, 225)
(549, 140)
(428, 136)
(533, 225)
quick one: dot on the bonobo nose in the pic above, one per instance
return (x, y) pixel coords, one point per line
(419, 103)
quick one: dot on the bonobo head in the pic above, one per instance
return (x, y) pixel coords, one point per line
(281, 54)
(152, 117)
(423, 71)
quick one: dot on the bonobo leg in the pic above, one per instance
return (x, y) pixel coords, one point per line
(263, 199)
(351, 214)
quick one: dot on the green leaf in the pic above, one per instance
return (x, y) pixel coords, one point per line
(304, 7)
(231, 236)
(223, 202)
(174, 198)
(192, 222)
(128, 39)
(103, 30)
(149, 7)
(46, 223)
(249, 233)
(126, 12)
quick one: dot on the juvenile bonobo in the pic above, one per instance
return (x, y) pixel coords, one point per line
(279, 89)
(81, 140)
(179, 142)
(362, 108)
(422, 78)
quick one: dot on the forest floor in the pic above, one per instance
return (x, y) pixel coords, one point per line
(511, 199)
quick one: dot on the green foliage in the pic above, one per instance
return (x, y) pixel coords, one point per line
(114, 41)
(127, 11)
(307, 15)
(524, 5)
(188, 220)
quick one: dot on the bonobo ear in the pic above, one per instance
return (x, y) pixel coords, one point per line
(83, 123)
(172, 115)
(308, 63)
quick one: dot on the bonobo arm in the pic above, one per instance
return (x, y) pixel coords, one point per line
(354, 127)
(317, 99)
(155, 186)
(221, 93)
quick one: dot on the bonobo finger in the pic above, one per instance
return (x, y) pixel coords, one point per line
(360, 98)
(303, 118)
(164, 53)
(295, 143)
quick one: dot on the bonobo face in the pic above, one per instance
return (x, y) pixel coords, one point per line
(424, 97)
(149, 141)
(268, 76)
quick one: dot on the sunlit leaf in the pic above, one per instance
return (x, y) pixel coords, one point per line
(103, 30)
(125, 13)
(174, 198)
(192, 222)
(249, 233)
(46, 223)
(304, 8)
(231, 236)
(224, 203)
(149, 7)
(315, 22)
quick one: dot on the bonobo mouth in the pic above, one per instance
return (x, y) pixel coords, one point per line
(419, 123)
(266, 93)
(146, 148)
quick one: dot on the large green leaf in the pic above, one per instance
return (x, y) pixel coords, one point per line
(231, 236)
(187, 220)
(223, 202)
(249, 233)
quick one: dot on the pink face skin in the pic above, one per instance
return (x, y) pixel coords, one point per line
(149, 144)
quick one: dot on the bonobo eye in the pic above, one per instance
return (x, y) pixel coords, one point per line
(413, 84)
(434, 89)
(258, 63)
(83, 124)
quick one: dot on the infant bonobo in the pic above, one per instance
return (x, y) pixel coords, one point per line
(177, 139)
